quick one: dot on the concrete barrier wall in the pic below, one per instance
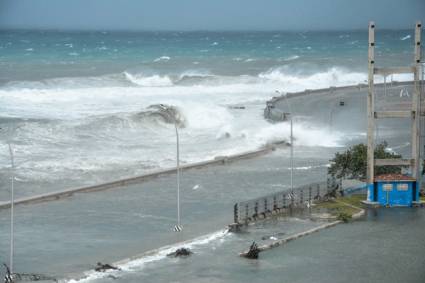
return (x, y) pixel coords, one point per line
(135, 180)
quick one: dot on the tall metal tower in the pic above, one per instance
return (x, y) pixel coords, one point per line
(389, 191)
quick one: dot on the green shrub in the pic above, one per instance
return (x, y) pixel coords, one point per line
(344, 217)
(352, 163)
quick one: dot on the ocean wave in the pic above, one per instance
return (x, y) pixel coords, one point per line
(291, 58)
(334, 76)
(162, 59)
(305, 134)
(405, 37)
(154, 80)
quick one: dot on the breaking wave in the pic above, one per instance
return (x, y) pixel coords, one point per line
(334, 76)
(154, 80)
(108, 118)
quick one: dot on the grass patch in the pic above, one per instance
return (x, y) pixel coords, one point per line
(355, 200)
(339, 207)
(336, 208)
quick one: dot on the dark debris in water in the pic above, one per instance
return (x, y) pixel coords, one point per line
(102, 267)
(182, 252)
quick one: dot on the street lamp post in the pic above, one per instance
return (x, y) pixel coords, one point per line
(291, 139)
(178, 228)
(12, 206)
(292, 154)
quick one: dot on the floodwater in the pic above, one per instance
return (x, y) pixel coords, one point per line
(65, 238)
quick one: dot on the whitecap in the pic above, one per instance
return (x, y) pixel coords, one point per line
(291, 58)
(405, 37)
(162, 58)
(148, 81)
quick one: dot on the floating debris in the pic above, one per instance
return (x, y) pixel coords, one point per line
(20, 277)
(253, 252)
(102, 267)
(182, 252)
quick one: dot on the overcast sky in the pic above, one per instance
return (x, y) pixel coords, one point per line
(209, 14)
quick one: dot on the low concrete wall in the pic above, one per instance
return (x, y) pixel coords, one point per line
(135, 180)
(283, 241)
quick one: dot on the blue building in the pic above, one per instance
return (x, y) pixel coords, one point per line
(393, 190)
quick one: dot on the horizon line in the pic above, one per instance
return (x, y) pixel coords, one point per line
(22, 29)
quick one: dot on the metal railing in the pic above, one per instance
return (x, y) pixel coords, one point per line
(251, 210)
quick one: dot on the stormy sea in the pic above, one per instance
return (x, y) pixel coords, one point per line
(82, 108)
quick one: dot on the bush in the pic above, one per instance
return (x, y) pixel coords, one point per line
(352, 163)
(344, 217)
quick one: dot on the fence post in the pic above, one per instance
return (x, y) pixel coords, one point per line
(246, 213)
(309, 194)
(256, 209)
(235, 213)
(301, 196)
(265, 205)
(283, 200)
(274, 203)
(318, 191)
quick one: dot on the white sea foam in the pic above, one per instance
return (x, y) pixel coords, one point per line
(304, 134)
(296, 82)
(103, 111)
(154, 80)
(162, 58)
(405, 37)
(291, 58)
(138, 262)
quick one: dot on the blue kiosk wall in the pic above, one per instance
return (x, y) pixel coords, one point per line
(393, 192)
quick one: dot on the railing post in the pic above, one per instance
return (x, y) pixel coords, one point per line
(283, 200)
(265, 205)
(274, 203)
(256, 209)
(301, 196)
(235, 213)
(246, 213)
